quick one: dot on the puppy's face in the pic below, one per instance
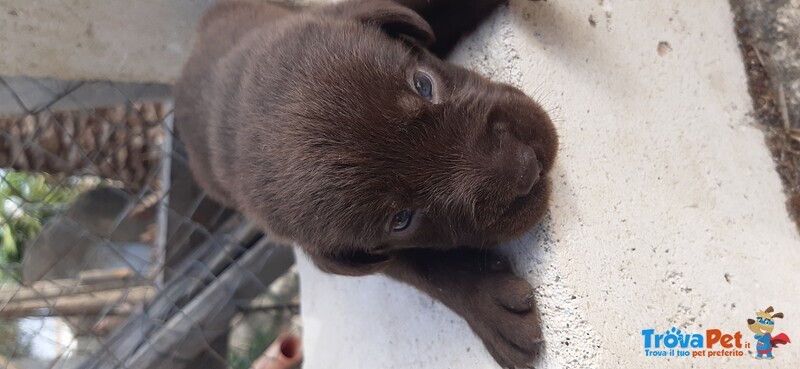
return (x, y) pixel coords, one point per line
(384, 147)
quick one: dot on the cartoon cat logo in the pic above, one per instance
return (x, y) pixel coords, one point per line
(762, 326)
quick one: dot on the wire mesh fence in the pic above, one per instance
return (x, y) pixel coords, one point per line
(110, 255)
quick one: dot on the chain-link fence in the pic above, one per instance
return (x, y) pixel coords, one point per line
(110, 255)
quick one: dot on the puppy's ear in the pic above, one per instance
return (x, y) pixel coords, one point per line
(394, 19)
(355, 263)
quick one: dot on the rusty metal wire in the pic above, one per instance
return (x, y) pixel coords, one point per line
(111, 256)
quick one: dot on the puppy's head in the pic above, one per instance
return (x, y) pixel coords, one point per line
(371, 145)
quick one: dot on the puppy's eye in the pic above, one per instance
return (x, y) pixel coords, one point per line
(402, 220)
(424, 85)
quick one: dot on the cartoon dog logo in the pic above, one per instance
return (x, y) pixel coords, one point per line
(762, 326)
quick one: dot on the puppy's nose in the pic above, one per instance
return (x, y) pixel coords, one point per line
(530, 170)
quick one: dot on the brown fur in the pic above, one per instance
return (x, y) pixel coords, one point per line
(309, 122)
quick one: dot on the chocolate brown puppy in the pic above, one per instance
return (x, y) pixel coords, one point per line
(339, 128)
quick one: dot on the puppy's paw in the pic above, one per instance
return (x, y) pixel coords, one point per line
(506, 319)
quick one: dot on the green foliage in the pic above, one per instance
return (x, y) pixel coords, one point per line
(13, 343)
(263, 336)
(27, 200)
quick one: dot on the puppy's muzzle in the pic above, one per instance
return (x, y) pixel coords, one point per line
(529, 169)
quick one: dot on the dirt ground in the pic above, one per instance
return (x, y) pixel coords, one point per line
(767, 74)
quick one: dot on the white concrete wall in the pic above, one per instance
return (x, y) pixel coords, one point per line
(120, 40)
(666, 211)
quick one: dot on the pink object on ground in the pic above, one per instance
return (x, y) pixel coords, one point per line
(284, 353)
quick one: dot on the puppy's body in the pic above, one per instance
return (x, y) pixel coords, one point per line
(337, 127)
(211, 82)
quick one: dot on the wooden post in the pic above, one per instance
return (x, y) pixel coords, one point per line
(195, 308)
(91, 293)
(79, 304)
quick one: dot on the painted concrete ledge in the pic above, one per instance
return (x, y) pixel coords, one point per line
(120, 40)
(142, 41)
(666, 212)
